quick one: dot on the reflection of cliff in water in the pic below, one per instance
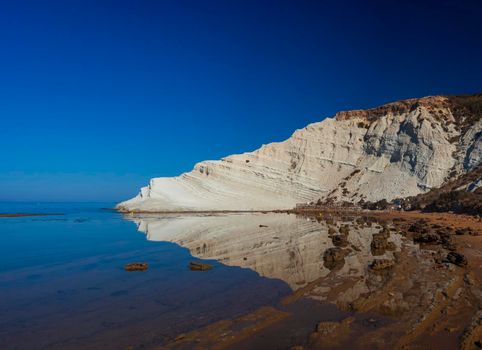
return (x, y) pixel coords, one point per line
(279, 246)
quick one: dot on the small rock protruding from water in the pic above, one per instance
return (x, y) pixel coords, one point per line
(381, 264)
(339, 240)
(457, 259)
(136, 267)
(345, 230)
(331, 231)
(380, 243)
(197, 266)
(334, 257)
(326, 327)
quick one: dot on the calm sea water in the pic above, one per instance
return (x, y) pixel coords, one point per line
(63, 286)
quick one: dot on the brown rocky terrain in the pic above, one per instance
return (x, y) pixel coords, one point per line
(462, 195)
(421, 290)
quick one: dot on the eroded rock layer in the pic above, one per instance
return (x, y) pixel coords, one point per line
(396, 150)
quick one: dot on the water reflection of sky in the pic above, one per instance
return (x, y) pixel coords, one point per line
(63, 286)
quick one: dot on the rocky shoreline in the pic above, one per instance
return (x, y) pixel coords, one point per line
(425, 293)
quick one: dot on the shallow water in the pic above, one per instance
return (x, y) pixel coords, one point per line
(63, 286)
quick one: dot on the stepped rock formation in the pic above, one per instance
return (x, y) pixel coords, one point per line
(400, 149)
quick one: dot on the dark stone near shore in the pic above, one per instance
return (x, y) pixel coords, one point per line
(419, 226)
(385, 232)
(334, 257)
(136, 267)
(450, 246)
(381, 264)
(331, 231)
(426, 237)
(197, 266)
(390, 246)
(380, 243)
(345, 230)
(457, 259)
(461, 232)
(466, 231)
(339, 241)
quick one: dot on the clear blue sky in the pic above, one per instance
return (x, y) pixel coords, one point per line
(98, 96)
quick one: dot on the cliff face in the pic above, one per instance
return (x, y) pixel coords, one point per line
(396, 150)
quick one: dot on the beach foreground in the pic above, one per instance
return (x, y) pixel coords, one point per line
(332, 279)
(418, 299)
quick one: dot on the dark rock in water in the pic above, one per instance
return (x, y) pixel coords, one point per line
(385, 232)
(420, 227)
(334, 257)
(380, 243)
(466, 231)
(456, 259)
(327, 327)
(331, 231)
(450, 246)
(345, 229)
(390, 246)
(381, 264)
(339, 241)
(197, 266)
(426, 237)
(444, 232)
(136, 267)
(461, 231)
(334, 254)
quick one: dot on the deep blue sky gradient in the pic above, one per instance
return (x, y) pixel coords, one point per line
(98, 96)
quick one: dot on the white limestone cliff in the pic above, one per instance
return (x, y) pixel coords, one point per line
(396, 150)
